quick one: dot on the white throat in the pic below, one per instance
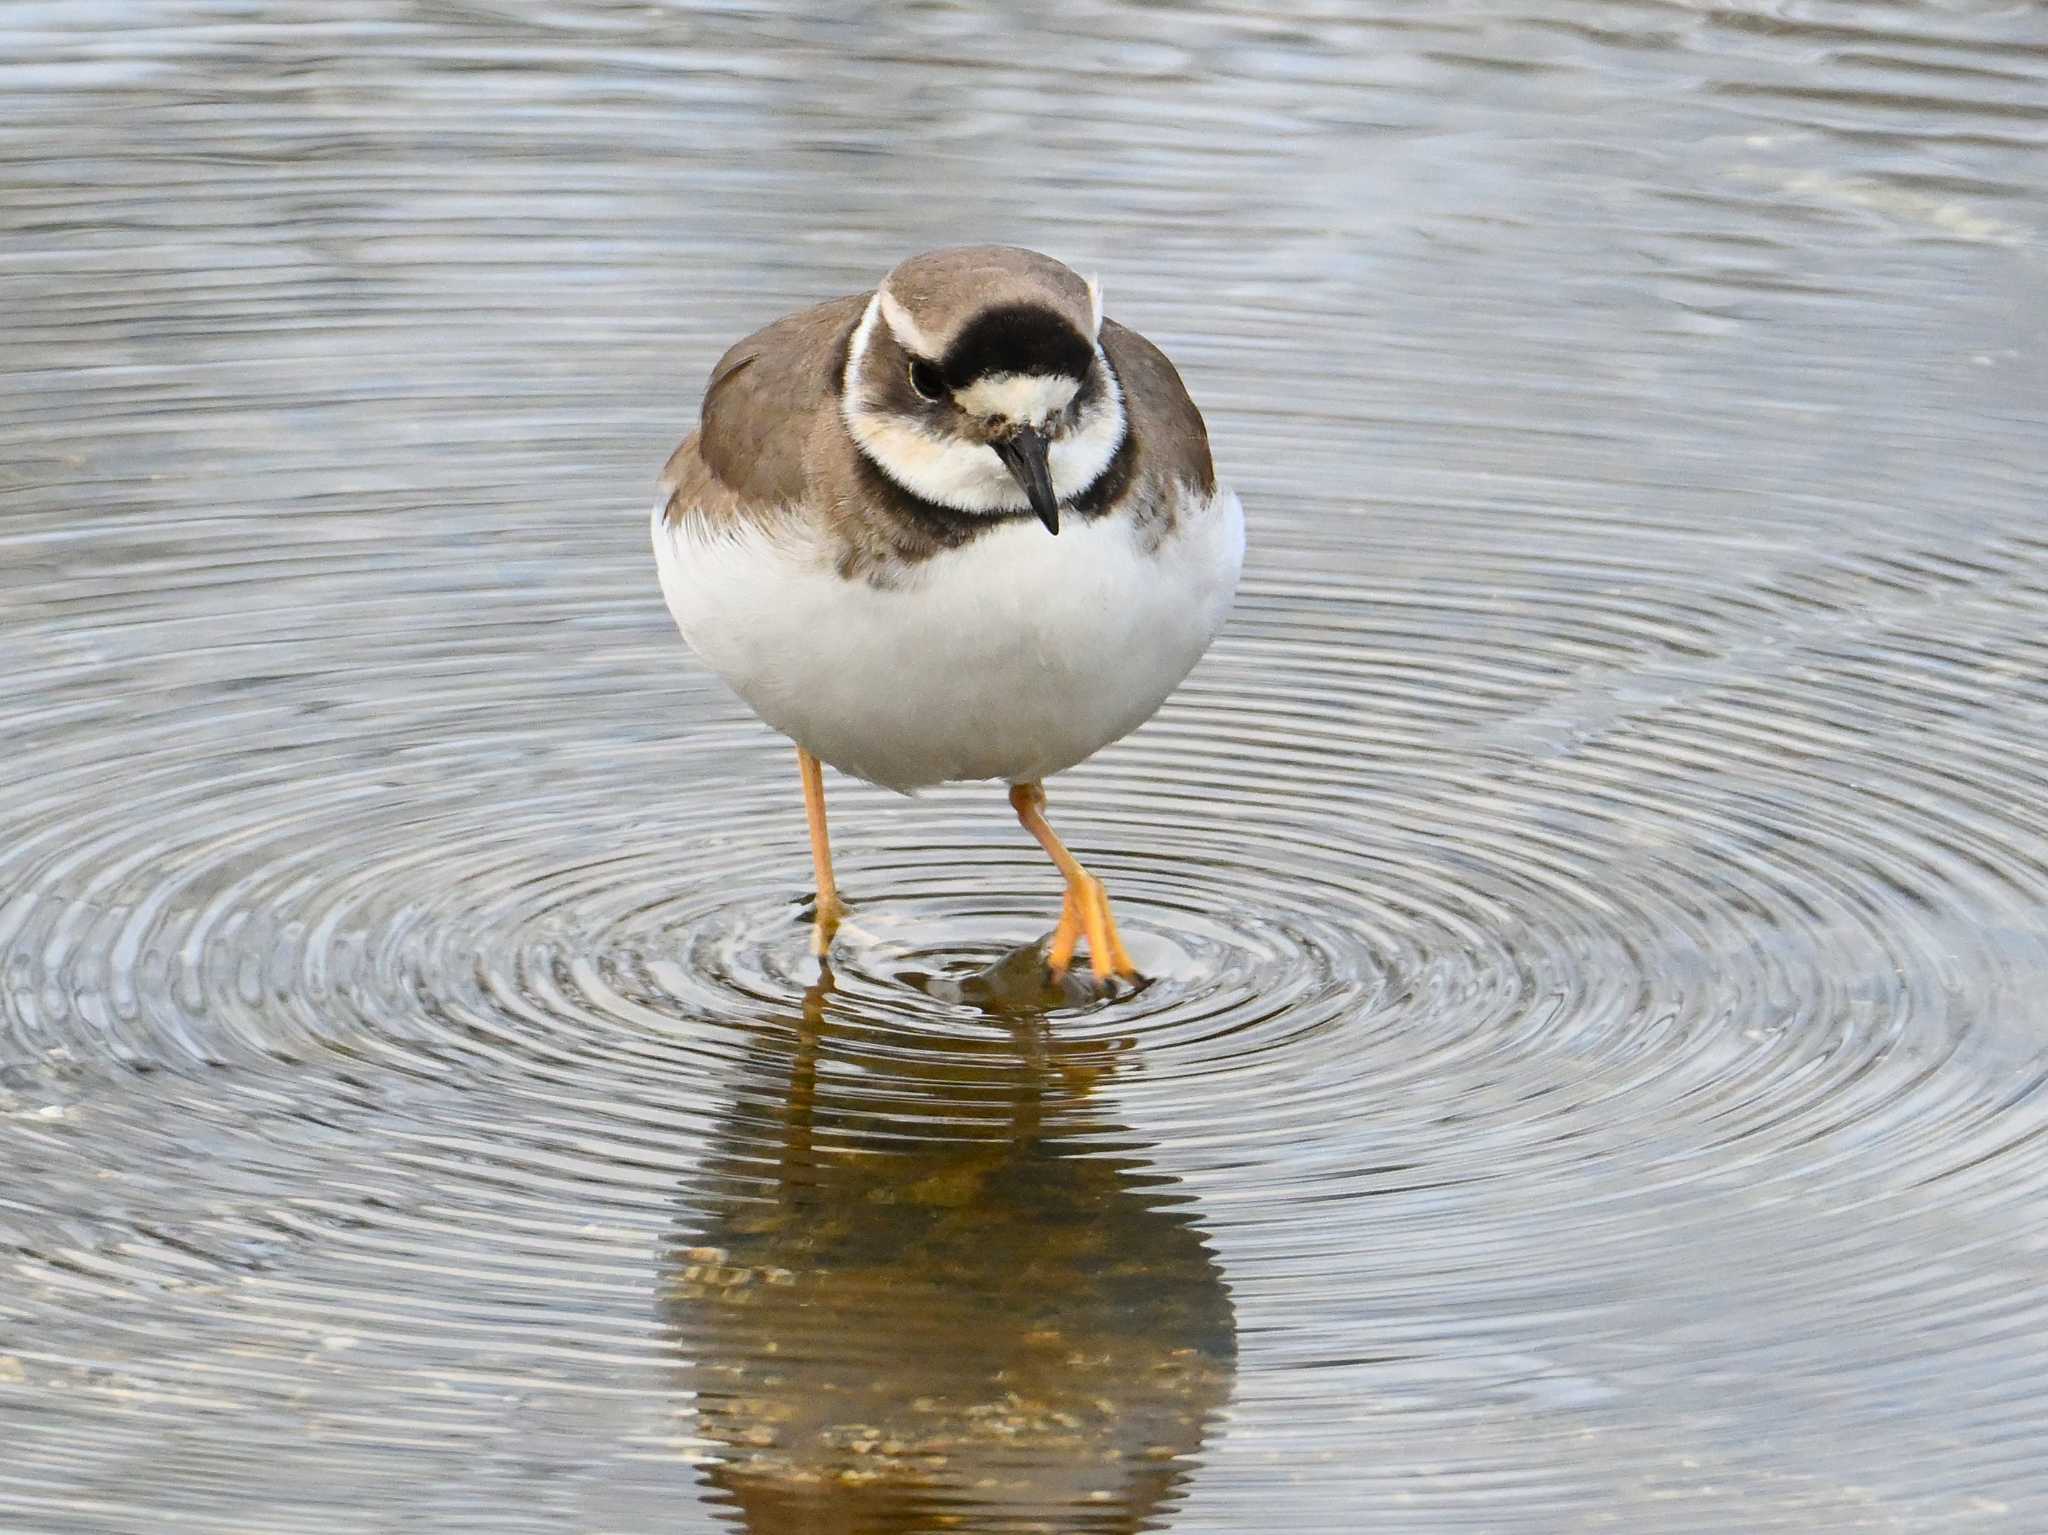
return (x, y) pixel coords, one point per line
(967, 476)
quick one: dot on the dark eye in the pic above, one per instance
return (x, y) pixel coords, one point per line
(925, 379)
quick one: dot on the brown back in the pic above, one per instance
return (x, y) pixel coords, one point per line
(764, 398)
(1167, 432)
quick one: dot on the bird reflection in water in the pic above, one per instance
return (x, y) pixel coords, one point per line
(926, 1284)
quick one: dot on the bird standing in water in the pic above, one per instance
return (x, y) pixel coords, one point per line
(959, 527)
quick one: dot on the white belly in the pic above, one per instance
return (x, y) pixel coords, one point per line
(1013, 657)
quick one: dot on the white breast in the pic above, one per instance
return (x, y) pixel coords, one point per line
(1013, 657)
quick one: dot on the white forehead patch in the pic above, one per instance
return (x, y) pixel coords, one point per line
(904, 328)
(1020, 397)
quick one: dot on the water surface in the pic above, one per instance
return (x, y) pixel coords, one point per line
(1593, 1078)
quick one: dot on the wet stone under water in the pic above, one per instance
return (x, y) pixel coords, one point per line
(1591, 1075)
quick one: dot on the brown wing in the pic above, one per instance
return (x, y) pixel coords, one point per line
(760, 408)
(1167, 430)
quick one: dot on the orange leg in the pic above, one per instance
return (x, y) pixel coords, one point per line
(1060, 952)
(830, 908)
(1086, 911)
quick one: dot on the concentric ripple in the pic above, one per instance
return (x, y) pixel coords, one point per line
(1592, 1071)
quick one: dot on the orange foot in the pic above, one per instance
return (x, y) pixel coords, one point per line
(1086, 911)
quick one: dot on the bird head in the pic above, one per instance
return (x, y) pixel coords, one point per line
(976, 380)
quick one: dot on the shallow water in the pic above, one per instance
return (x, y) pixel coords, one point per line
(1597, 887)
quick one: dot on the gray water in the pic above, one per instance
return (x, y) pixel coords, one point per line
(1596, 888)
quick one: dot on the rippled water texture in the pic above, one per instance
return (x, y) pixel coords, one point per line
(1593, 1075)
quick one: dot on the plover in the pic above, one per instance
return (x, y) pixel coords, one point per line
(959, 527)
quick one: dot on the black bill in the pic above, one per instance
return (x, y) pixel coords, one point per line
(1023, 454)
